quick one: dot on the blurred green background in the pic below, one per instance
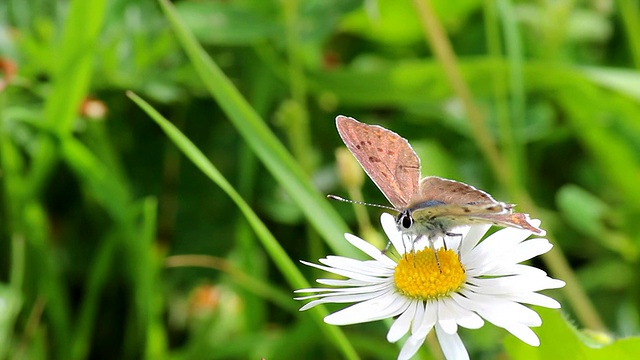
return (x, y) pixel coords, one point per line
(120, 239)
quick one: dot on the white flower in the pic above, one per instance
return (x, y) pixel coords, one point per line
(470, 282)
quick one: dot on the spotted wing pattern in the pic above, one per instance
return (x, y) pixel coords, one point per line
(385, 156)
(450, 192)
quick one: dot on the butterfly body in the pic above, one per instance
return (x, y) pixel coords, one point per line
(430, 207)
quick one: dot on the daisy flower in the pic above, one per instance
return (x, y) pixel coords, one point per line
(474, 281)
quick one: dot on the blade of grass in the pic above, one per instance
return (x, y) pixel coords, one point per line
(52, 282)
(97, 177)
(512, 127)
(630, 15)
(96, 279)
(298, 129)
(262, 141)
(156, 335)
(113, 195)
(276, 252)
(144, 272)
(72, 74)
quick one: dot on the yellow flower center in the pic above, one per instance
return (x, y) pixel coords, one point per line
(418, 276)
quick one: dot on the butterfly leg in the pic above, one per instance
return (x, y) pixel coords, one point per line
(435, 252)
(459, 243)
(386, 248)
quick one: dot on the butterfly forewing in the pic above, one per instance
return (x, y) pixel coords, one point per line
(385, 156)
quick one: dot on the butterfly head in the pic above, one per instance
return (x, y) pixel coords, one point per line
(404, 220)
(420, 222)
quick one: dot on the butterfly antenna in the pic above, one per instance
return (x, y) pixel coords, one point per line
(334, 197)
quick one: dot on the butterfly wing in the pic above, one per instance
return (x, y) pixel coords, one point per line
(385, 156)
(435, 219)
(449, 216)
(459, 211)
(516, 220)
(450, 192)
(456, 203)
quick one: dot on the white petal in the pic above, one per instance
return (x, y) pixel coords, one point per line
(499, 269)
(410, 347)
(509, 234)
(524, 333)
(345, 282)
(511, 316)
(473, 236)
(535, 299)
(421, 242)
(344, 272)
(454, 242)
(464, 317)
(449, 326)
(473, 321)
(370, 250)
(500, 242)
(513, 284)
(419, 316)
(368, 267)
(494, 286)
(402, 323)
(527, 250)
(353, 290)
(446, 318)
(391, 229)
(426, 322)
(344, 298)
(383, 307)
(451, 345)
(498, 311)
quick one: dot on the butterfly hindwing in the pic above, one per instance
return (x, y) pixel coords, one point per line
(450, 192)
(516, 220)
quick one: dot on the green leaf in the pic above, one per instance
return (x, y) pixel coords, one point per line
(622, 80)
(561, 340)
(227, 23)
(10, 305)
(583, 210)
(588, 214)
(396, 22)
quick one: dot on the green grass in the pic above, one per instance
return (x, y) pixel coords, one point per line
(173, 227)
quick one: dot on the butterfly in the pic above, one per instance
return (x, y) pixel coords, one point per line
(430, 207)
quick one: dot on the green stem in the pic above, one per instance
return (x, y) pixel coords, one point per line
(511, 127)
(630, 15)
(298, 115)
(441, 47)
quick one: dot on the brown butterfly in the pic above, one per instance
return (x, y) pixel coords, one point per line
(430, 207)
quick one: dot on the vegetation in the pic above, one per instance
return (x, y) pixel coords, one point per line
(164, 166)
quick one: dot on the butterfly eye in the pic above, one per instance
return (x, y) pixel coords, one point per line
(406, 220)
